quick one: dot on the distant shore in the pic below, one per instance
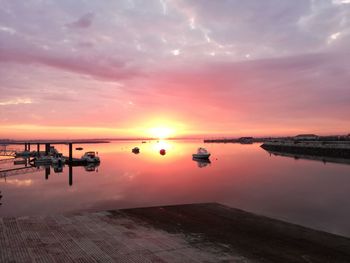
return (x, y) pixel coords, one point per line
(337, 149)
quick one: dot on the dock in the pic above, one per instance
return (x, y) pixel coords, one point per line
(183, 233)
(4, 151)
(241, 140)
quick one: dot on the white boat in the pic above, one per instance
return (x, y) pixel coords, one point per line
(202, 153)
(90, 157)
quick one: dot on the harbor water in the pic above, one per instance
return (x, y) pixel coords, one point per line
(310, 193)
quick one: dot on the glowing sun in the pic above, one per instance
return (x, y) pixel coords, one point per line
(161, 132)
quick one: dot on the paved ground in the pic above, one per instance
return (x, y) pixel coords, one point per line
(186, 233)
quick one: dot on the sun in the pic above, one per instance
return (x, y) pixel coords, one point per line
(161, 132)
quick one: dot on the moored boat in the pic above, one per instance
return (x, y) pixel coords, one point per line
(136, 150)
(58, 159)
(90, 157)
(42, 160)
(202, 153)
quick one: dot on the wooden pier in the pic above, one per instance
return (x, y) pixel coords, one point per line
(47, 143)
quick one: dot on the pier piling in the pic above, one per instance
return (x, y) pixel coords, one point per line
(70, 152)
(47, 172)
(47, 148)
(70, 175)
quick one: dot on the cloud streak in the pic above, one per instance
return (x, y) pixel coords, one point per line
(254, 65)
(15, 102)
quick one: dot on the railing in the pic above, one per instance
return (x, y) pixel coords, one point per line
(19, 171)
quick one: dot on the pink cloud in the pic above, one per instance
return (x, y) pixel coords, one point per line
(84, 21)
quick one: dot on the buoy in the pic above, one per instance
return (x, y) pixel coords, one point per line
(162, 152)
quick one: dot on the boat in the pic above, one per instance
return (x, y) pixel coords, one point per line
(20, 162)
(135, 150)
(53, 151)
(201, 162)
(91, 167)
(25, 154)
(79, 148)
(42, 160)
(58, 159)
(90, 157)
(57, 168)
(202, 153)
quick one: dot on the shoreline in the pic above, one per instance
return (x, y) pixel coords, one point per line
(312, 148)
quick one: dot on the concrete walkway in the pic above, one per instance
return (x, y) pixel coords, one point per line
(186, 233)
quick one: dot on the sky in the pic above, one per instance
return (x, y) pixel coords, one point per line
(130, 68)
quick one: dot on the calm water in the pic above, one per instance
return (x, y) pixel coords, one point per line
(308, 193)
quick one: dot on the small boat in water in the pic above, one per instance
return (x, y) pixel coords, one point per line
(136, 150)
(42, 160)
(58, 159)
(25, 154)
(90, 157)
(79, 148)
(202, 153)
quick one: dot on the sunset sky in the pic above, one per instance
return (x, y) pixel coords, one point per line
(90, 69)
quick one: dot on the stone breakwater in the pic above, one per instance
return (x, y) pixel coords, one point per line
(337, 149)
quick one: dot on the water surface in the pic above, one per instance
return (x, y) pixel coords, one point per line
(309, 193)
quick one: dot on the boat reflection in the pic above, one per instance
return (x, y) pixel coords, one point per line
(31, 168)
(58, 167)
(92, 167)
(201, 163)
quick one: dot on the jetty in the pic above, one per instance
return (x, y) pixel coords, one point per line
(242, 140)
(30, 144)
(182, 233)
(335, 149)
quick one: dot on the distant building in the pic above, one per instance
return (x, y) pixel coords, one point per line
(306, 137)
(246, 140)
